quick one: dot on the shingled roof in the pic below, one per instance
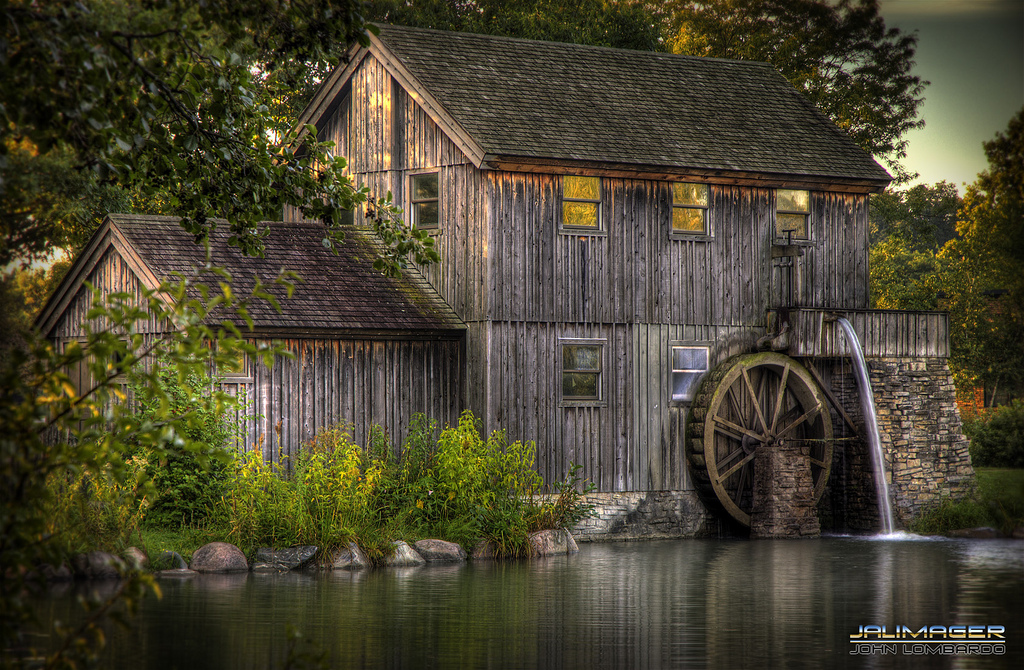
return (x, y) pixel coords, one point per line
(535, 100)
(336, 293)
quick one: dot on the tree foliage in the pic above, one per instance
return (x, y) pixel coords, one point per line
(840, 55)
(168, 103)
(625, 24)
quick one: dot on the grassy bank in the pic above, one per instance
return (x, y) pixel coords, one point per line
(997, 502)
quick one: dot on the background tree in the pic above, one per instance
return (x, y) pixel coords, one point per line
(840, 55)
(625, 24)
(166, 106)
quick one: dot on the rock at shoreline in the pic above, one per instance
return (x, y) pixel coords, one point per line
(136, 558)
(483, 551)
(282, 560)
(170, 560)
(350, 558)
(552, 542)
(983, 533)
(98, 565)
(62, 573)
(219, 557)
(405, 556)
(439, 551)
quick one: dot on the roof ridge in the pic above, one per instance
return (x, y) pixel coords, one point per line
(596, 47)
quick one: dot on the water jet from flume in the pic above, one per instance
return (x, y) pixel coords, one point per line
(867, 403)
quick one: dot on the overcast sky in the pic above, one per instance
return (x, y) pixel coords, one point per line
(972, 52)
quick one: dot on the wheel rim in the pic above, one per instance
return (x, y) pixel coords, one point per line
(751, 402)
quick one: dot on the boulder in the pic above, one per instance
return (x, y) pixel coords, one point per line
(350, 558)
(483, 551)
(404, 556)
(61, 573)
(551, 542)
(983, 533)
(282, 560)
(170, 560)
(219, 557)
(136, 558)
(439, 551)
(98, 565)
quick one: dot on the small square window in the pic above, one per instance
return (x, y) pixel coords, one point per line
(425, 200)
(689, 208)
(581, 202)
(792, 210)
(581, 371)
(688, 366)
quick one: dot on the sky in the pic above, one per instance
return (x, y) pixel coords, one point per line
(972, 52)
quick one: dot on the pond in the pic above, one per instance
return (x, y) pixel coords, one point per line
(664, 604)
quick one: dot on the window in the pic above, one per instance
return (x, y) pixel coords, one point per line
(581, 202)
(689, 208)
(425, 210)
(581, 371)
(792, 210)
(688, 365)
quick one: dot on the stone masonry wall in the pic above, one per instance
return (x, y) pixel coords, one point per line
(645, 515)
(922, 435)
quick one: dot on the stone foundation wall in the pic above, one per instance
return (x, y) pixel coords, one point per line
(922, 437)
(645, 515)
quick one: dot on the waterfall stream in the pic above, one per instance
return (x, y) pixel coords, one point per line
(867, 403)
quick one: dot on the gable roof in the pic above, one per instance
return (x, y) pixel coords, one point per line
(518, 102)
(337, 293)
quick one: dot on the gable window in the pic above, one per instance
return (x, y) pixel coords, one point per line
(792, 210)
(425, 200)
(689, 208)
(688, 366)
(581, 202)
(581, 370)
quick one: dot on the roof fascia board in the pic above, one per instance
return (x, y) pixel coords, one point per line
(661, 173)
(327, 94)
(83, 265)
(434, 109)
(453, 333)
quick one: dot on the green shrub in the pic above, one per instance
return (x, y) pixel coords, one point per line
(997, 440)
(189, 480)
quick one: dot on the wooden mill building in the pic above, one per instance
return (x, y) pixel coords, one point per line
(613, 225)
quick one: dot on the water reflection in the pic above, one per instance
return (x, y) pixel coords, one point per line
(688, 603)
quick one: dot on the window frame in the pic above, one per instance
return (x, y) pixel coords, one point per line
(781, 235)
(599, 228)
(676, 233)
(582, 401)
(414, 201)
(672, 370)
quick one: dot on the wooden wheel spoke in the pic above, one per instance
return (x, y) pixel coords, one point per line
(741, 485)
(731, 456)
(736, 428)
(815, 461)
(809, 414)
(779, 398)
(754, 400)
(728, 473)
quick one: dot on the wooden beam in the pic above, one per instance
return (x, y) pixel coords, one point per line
(809, 364)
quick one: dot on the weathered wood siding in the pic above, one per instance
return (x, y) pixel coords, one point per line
(386, 136)
(356, 382)
(882, 333)
(111, 274)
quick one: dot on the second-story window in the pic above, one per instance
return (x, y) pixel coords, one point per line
(792, 210)
(689, 208)
(581, 202)
(425, 200)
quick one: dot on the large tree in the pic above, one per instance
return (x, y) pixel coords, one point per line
(625, 24)
(839, 54)
(167, 105)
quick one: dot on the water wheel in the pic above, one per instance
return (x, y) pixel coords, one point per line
(750, 402)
